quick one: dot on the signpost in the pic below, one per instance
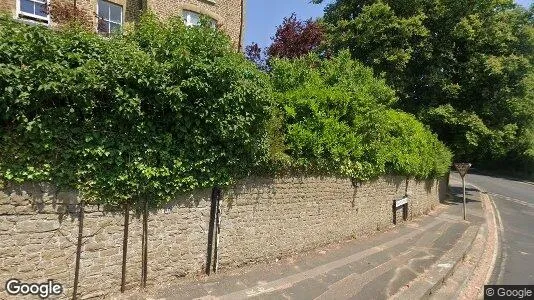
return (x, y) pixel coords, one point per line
(462, 169)
(400, 203)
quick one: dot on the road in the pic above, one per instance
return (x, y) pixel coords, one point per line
(514, 201)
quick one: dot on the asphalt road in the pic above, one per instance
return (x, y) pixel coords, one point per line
(514, 201)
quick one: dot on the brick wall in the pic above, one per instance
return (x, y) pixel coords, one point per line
(261, 219)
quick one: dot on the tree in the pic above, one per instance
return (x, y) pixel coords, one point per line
(451, 63)
(254, 53)
(294, 38)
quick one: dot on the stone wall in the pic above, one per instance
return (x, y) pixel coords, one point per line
(131, 8)
(304, 213)
(7, 6)
(261, 219)
(228, 13)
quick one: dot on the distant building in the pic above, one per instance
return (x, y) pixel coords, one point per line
(111, 15)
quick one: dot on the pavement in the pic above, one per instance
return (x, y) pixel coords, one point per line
(407, 262)
(514, 202)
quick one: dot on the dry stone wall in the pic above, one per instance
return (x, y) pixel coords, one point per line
(261, 219)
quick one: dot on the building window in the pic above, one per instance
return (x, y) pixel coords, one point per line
(36, 10)
(192, 18)
(109, 17)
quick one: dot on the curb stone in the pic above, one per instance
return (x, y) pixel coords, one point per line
(469, 279)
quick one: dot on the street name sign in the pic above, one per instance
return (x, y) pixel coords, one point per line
(401, 202)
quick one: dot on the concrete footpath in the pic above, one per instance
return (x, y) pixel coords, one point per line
(409, 261)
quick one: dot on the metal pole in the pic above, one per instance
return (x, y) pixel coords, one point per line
(463, 184)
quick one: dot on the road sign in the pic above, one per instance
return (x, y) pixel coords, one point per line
(462, 168)
(401, 202)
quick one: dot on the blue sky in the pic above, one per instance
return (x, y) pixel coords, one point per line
(264, 15)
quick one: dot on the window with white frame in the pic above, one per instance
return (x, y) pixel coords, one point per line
(192, 18)
(36, 10)
(109, 17)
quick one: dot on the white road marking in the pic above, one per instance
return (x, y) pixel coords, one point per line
(521, 202)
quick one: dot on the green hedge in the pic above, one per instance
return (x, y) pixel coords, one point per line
(159, 110)
(335, 118)
(162, 109)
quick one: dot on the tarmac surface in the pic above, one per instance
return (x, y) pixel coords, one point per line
(514, 201)
(374, 268)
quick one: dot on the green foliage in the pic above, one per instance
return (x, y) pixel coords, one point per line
(465, 67)
(337, 120)
(163, 109)
(160, 110)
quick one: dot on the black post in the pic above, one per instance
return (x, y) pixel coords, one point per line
(78, 250)
(394, 212)
(217, 231)
(144, 245)
(211, 229)
(125, 245)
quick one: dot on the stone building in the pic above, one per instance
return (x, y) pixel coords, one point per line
(110, 15)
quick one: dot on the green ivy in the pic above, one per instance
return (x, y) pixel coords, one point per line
(159, 110)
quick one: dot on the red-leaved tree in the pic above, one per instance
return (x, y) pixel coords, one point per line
(293, 38)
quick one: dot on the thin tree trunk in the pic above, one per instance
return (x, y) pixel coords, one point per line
(217, 232)
(211, 229)
(144, 246)
(125, 245)
(78, 250)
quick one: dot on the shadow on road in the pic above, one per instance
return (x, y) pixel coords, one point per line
(525, 178)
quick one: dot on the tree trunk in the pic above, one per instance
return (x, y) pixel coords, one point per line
(125, 245)
(78, 250)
